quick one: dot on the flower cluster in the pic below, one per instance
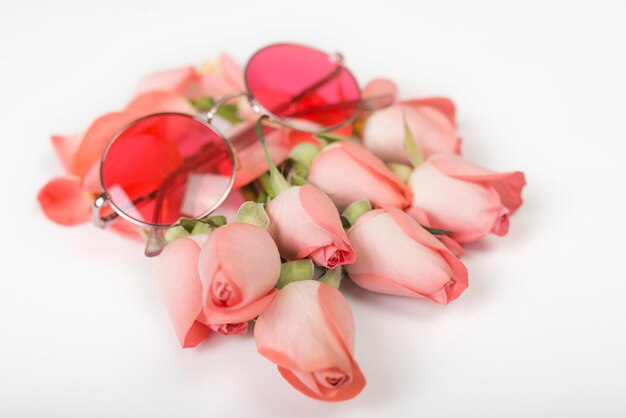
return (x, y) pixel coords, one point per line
(387, 200)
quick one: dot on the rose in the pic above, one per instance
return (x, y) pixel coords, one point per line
(308, 332)
(239, 266)
(431, 122)
(347, 172)
(476, 201)
(217, 282)
(304, 222)
(397, 256)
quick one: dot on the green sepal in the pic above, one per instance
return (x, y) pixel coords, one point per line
(201, 228)
(293, 271)
(355, 210)
(402, 171)
(333, 277)
(304, 154)
(175, 232)
(253, 214)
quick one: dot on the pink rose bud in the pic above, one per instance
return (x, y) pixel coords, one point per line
(431, 122)
(476, 201)
(239, 266)
(308, 332)
(397, 256)
(347, 172)
(305, 223)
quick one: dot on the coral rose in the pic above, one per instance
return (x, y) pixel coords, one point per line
(348, 172)
(304, 222)
(465, 199)
(397, 256)
(308, 332)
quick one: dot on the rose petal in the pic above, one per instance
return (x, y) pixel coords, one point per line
(65, 148)
(97, 137)
(175, 80)
(508, 185)
(181, 290)
(64, 202)
(442, 104)
(158, 102)
(380, 87)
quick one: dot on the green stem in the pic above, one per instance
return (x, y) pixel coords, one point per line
(277, 180)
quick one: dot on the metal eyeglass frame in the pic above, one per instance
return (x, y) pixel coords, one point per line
(156, 241)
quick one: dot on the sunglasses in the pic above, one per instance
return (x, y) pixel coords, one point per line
(166, 166)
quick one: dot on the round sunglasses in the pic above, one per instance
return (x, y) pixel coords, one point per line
(166, 166)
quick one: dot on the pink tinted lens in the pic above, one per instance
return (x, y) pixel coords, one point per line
(302, 85)
(166, 166)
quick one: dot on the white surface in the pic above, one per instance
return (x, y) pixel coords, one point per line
(540, 332)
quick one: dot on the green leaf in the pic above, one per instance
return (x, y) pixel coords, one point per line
(214, 221)
(331, 137)
(203, 104)
(410, 147)
(227, 111)
(187, 224)
(436, 231)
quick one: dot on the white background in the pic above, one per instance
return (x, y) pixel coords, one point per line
(540, 332)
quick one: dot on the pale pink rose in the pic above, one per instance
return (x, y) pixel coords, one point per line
(239, 266)
(67, 199)
(431, 124)
(348, 172)
(217, 283)
(475, 202)
(397, 256)
(305, 223)
(308, 332)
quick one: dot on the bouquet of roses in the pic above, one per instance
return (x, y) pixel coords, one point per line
(385, 199)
